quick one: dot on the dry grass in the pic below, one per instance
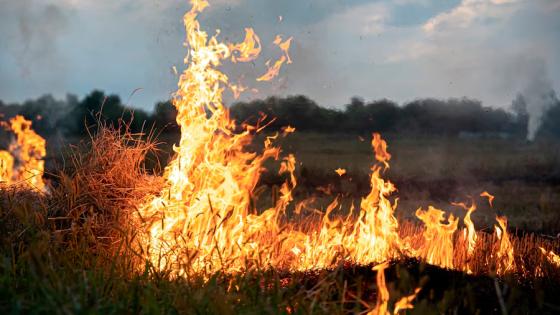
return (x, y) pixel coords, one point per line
(70, 251)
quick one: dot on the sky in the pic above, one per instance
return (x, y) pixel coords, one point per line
(490, 50)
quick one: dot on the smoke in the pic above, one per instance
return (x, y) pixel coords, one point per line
(30, 31)
(539, 96)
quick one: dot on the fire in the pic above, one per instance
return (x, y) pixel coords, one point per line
(381, 307)
(23, 164)
(504, 248)
(248, 50)
(287, 130)
(274, 70)
(284, 45)
(489, 196)
(6, 167)
(205, 219)
(469, 233)
(438, 237)
(552, 257)
(340, 171)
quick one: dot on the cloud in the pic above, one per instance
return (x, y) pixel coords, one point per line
(469, 11)
(399, 49)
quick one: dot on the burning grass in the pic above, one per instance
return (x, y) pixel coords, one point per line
(104, 228)
(73, 250)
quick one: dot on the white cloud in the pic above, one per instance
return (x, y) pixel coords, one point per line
(469, 11)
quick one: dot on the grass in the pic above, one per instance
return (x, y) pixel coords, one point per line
(72, 252)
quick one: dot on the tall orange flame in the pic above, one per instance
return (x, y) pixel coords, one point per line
(204, 220)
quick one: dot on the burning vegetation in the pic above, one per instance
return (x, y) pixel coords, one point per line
(199, 222)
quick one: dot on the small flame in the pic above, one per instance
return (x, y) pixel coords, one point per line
(340, 171)
(381, 307)
(284, 45)
(504, 248)
(287, 130)
(489, 196)
(237, 90)
(274, 70)
(248, 50)
(551, 256)
(6, 167)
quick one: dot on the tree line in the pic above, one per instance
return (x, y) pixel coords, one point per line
(451, 117)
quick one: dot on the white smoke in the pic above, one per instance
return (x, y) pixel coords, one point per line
(539, 96)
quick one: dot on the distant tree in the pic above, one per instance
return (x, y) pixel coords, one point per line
(550, 124)
(97, 106)
(521, 121)
(164, 116)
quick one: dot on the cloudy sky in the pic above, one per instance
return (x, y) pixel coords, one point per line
(397, 49)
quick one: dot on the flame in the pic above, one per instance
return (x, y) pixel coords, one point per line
(248, 50)
(23, 164)
(380, 148)
(504, 248)
(489, 196)
(438, 246)
(469, 232)
(6, 167)
(287, 130)
(552, 257)
(284, 45)
(274, 70)
(205, 220)
(340, 171)
(381, 307)
(237, 90)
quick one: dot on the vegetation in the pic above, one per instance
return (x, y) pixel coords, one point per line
(453, 117)
(72, 252)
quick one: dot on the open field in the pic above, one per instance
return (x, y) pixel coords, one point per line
(73, 252)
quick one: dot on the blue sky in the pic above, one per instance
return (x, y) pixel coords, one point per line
(397, 49)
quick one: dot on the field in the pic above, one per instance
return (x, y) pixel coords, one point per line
(71, 252)
(523, 176)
